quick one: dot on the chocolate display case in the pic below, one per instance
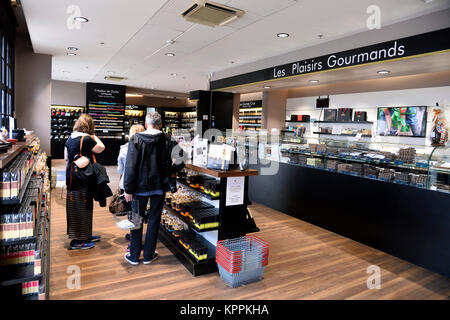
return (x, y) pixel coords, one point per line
(439, 170)
(419, 166)
(392, 197)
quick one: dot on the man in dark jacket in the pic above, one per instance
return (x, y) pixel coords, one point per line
(147, 177)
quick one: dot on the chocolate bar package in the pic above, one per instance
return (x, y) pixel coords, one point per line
(360, 116)
(14, 182)
(329, 115)
(344, 114)
(5, 185)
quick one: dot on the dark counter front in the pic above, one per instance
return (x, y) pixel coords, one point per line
(407, 222)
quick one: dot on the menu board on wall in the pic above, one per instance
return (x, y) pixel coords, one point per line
(106, 105)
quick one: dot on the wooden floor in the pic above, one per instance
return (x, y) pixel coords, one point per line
(305, 262)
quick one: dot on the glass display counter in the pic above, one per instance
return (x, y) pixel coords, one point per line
(419, 166)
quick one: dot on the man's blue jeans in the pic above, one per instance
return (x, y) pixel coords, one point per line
(139, 205)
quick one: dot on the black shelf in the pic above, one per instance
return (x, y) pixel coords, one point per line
(298, 121)
(343, 134)
(17, 274)
(18, 200)
(198, 191)
(186, 258)
(358, 122)
(188, 221)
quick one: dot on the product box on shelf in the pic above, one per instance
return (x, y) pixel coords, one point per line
(360, 116)
(330, 115)
(344, 114)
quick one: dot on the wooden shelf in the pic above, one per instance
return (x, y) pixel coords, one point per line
(223, 174)
(7, 157)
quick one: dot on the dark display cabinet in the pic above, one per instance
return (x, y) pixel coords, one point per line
(214, 109)
(133, 115)
(63, 119)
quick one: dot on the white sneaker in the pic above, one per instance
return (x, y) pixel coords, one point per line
(127, 259)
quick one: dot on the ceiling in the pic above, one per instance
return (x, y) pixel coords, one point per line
(135, 35)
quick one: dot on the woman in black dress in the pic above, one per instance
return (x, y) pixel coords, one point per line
(79, 202)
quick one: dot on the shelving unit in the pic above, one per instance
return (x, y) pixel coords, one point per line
(13, 276)
(231, 222)
(133, 115)
(250, 114)
(189, 119)
(343, 134)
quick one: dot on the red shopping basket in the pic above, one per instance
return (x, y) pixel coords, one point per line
(242, 254)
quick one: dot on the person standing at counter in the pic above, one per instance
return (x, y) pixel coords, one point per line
(79, 202)
(146, 177)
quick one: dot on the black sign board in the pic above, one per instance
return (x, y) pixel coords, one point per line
(251, 104)
(391, 50)
(108, 93)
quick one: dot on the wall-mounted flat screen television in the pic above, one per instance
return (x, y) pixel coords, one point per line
(402, 121)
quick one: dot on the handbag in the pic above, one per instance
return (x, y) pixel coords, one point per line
(81, 169)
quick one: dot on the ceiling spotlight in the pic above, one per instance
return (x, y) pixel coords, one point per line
(174, 74)
(170, 54)
(72, 48)
(81, 19)
(266, 87)
(71, 54)
(383, 72)
(283, 35)
(314, 81)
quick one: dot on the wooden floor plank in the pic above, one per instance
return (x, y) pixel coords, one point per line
(305, 262)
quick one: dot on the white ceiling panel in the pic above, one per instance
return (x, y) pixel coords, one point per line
(135, 35)
(261, 8)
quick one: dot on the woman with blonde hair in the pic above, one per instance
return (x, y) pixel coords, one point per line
(122, 159)
(79, 202)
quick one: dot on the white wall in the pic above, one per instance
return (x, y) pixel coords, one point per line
(68, 93)
(370, 101)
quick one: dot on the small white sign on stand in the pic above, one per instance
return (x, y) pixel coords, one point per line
(235, 191)
(200, 157)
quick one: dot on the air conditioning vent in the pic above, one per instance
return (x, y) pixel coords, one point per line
(112, 78)
(210, 13)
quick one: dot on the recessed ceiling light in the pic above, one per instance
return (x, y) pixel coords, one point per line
(383, 72)
(64, 71)
(71, 54)
(72, 48)
(266, 87)
(283, 35)
(314, 81)
(80, 19)
(174, 74)
(170, 54)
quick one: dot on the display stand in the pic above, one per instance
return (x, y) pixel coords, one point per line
(13, 276)
(231, 221)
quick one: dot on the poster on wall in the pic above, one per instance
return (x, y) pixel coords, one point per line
(402, 121)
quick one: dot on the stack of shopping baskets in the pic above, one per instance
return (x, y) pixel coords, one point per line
(242, 260)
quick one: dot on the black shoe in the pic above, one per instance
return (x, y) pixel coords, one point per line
(155, 256)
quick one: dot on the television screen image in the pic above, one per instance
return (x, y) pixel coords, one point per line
(402, 121)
